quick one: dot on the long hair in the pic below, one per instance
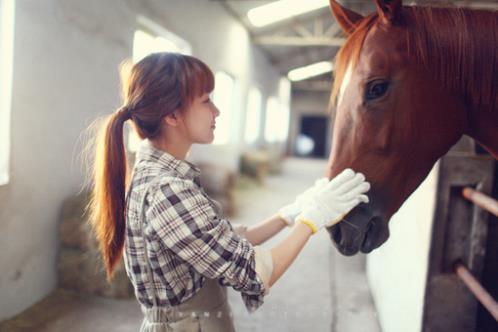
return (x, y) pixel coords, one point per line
(158, 85)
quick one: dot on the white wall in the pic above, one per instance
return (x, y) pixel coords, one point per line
(397, 271)
(65, 74)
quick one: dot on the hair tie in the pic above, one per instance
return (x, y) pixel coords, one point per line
(124, 112)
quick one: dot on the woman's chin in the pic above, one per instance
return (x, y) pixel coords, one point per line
(207, 140)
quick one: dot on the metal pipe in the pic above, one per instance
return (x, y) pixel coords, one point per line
(475, 287)
(481, 200)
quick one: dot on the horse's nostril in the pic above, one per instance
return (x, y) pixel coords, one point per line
(376, 234)
(336, 234)
(367, 240)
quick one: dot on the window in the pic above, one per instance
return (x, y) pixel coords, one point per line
(6, 70)
(277, 121)
(284, 96)
(253, 116)
(149, 38)
(272, 120)
(278, 114)
(223, 98)
(283, 129)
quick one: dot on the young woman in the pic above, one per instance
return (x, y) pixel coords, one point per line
(179, 252)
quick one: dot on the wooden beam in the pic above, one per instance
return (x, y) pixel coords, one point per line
(318, 27)
(310, 85)
(333, 30)
(301, 30)
(298, 41)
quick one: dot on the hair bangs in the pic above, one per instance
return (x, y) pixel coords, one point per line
(198, 77)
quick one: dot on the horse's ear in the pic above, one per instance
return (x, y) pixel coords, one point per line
(388, 10)
(347, 19)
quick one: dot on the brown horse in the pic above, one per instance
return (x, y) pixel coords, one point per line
(409, 82)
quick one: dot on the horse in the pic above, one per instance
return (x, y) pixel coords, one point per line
(409, 82)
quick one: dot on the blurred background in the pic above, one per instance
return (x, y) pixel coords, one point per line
(273, 68)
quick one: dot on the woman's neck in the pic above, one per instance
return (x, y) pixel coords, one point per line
(176, 148)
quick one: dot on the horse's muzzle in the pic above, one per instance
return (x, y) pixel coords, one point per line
(360, 230)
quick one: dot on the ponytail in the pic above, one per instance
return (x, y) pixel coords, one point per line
(110, 178)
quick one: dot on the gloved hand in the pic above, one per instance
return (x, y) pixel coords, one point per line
(289, 212)
(334, 200)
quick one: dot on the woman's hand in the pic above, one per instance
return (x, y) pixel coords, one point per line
(289, 212)
(331, 202)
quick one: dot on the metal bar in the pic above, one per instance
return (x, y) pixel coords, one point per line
(481, 200)
(475, 287)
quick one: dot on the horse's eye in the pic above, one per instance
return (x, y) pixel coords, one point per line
(375, 89)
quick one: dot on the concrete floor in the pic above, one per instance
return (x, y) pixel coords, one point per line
(321, 291)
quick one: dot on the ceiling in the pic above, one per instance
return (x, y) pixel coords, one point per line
(314, 36)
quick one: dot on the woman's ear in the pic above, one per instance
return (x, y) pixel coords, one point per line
(172, 119)
(389, 10)
(347, 19)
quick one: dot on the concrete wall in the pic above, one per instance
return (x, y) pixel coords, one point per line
(65, 74)
(397, 271)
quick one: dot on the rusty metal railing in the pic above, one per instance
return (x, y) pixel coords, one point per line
(475, 287)
(483, 201)
(487, 203)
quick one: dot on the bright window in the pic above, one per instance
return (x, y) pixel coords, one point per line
(6, 70)
(223, 98)
(149, 38)
(284, 96)
(277, 121)
(272, 120)
(146, 43)
(283, 128)
(253, 116)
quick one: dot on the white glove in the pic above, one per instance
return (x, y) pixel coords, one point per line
(289, 212)
(334, 200)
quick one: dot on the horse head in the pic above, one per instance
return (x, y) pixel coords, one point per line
(393, 118)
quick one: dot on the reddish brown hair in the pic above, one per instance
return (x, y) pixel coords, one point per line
(458, 45)
(158, 85)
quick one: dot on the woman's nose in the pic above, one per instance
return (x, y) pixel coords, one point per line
(216, 112)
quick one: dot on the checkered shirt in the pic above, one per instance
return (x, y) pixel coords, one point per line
(187, 239)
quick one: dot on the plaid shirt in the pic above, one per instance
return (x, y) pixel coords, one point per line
(187, 240)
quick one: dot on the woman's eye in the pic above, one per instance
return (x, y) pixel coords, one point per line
(376, 89)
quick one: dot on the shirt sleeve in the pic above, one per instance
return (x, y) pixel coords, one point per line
(185, 222)
(239, 229)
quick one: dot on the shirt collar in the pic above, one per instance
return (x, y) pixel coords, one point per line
(163, 159)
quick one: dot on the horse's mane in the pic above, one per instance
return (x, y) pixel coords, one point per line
(458, 45)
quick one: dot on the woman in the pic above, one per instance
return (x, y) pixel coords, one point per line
(179, 252)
